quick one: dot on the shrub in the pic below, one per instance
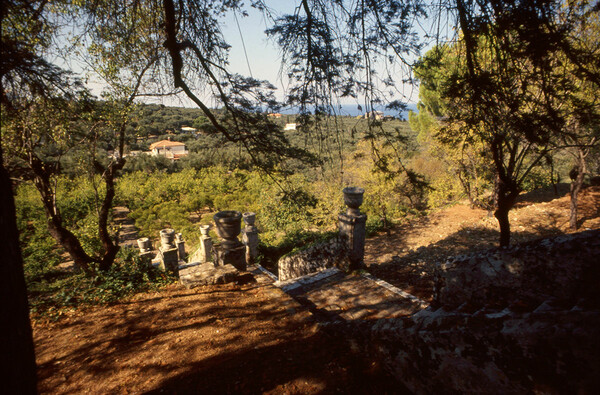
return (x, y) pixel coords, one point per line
(52, 294)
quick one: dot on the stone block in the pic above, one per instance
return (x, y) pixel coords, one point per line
(169, 259)
(250, 240)
(195, 275)
(564, 268)
(313, 259)
(235, 255)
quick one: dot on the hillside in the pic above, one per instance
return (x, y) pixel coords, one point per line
(406, 256)
(254, 337)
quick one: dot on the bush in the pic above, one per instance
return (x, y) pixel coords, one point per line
(51, 294)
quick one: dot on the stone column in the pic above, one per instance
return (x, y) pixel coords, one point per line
(250, 237)
(205, 244)
(352, 225)
(145, 245)
(180, 243)
(230, 250)
(167, 251)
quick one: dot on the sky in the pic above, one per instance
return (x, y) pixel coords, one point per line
(252, 53)
(264, 58)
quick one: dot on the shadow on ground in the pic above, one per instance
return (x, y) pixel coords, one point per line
(220, 339)
(413, 271)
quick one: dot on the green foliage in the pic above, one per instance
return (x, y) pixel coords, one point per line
(149, 164)
(57, 290)
(538, 177)
(156, 119)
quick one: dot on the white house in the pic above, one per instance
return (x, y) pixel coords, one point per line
(290, 126)
(169, 149)
(377, 115)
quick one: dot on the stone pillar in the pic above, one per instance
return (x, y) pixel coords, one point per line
(250, 237)
(206, 244)
(145, 245)
(180, 243)
(352, 225)
(230, 250)
(167, 252)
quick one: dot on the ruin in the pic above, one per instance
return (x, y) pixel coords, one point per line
(523, 319)
(250, 237)
(352, 226)
(168, 253)
(518, 320)
(206, 245)
(345, 252)
(180, 244)
(230, 250)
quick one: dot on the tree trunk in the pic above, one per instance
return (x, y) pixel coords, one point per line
(62, 235)
(505, 199)
(111, 248)
(17, 355)
(501, 215)
(577, 175)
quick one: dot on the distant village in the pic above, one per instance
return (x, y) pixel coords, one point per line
(175, 150)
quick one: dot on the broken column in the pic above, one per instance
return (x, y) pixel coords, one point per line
(145, 245)
(352, 225)
(250, 237)
(168, 253)
(230, 250)
(206, 244)
(180, 244)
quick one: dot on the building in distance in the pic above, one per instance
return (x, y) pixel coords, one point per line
(169, 149)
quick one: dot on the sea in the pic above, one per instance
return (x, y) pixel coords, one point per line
(354, 110)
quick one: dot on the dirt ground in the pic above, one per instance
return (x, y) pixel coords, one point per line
(218, 339)
(253, 338)
(407, 255)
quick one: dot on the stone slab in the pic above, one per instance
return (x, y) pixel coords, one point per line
(195, 275)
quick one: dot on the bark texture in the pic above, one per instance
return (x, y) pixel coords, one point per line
(16, 347)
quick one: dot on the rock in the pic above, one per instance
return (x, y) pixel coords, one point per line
(314, 259)
(195, 275)
(562, 267)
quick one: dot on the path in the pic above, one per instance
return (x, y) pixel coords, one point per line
(128, 233)
(332, 295)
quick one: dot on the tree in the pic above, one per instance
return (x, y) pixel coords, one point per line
(44, 129)
(20, 66)
(465, 159)
(505, 94)
(510, 86)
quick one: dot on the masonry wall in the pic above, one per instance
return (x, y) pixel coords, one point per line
(518, 320)
(313, 259)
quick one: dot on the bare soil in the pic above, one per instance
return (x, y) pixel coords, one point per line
(218, 339)
(407, 255)
(252, 338)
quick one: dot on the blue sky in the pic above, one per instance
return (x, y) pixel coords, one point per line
(263, 57)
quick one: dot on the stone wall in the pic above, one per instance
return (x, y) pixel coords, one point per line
(313, 259)
(564, 268)
(520, 320)
(436, 351)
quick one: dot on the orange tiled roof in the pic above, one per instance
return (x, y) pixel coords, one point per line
(165, 143)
